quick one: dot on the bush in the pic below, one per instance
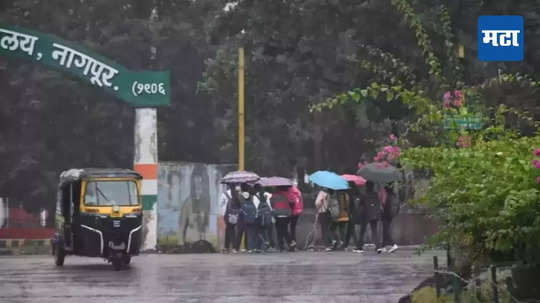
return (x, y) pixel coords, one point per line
(486, 195)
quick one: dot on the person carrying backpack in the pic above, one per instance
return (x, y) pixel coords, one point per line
(248, 214)
(372, 215)
(231, 217)
(265, 219)
(338, 206)
(356, 212)
(282, 211)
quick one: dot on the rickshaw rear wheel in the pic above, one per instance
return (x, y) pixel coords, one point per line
(59, 255)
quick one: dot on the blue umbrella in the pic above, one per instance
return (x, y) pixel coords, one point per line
(329, 180)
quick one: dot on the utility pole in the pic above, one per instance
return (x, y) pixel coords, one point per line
(241, 135)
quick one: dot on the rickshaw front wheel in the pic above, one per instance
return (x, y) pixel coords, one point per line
(117, 263)
(59, 255)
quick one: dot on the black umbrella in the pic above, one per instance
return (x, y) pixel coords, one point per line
(380, 173)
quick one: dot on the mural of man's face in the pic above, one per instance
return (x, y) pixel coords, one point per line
(198, 187)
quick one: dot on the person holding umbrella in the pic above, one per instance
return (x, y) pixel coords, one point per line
(372, 205)
(231, 217)
(356, 209)
(326, 200)
(323, 216)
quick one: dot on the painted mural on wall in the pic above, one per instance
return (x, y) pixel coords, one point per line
(188, 197)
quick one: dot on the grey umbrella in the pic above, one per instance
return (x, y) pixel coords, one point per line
(379, 173)
(240, 176)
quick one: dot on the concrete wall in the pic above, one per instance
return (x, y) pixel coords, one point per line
(188, 197)
(410, 227)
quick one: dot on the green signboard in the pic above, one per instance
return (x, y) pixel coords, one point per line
(141, 88)
(456, 122)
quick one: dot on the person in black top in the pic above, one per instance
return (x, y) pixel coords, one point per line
(356, 211)
(371, 215)
(390, 210)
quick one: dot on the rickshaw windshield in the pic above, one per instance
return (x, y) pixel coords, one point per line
(110, 193)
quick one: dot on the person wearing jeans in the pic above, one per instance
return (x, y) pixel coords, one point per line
(282, 224)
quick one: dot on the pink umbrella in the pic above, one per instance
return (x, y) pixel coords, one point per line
(274, 181)
(359, 181)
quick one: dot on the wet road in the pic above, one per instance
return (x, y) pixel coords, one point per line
(290, 277)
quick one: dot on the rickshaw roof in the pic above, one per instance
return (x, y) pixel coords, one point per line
(77, 174)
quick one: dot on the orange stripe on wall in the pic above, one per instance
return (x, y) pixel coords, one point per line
(148, 171)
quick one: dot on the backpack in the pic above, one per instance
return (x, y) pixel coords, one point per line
(249, 212)
(333, 207)
(357, 210)
(281, 205)
(372, 206)
(264, 215)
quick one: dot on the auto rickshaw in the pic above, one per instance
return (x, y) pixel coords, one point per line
(98, 214)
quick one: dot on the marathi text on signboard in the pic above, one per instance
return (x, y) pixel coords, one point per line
(145, 88)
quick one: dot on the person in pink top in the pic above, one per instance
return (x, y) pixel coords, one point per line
(294, 195)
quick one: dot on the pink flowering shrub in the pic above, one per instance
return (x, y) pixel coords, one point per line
(464, 141)
(453, 99)
(389, 153)
(536, 163)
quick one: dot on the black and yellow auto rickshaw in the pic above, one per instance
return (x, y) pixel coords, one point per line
(98, 214)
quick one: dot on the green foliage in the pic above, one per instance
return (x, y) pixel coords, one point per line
(487, 195)
(424, 41)
(414, 100)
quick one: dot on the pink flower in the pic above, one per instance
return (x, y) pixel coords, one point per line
(458, 94)
(447, 96)
(388, 149)
(464, 141)
(397, 150)
(458, 103)
(537, 152)
(385, 164)
(447, 104)
(393, 138)
(538, 180)
(536, 163)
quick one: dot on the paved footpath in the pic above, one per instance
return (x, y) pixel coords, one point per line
(290, 277)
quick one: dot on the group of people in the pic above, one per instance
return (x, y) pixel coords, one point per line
(257, 212)
(253, 211)
(345, 214)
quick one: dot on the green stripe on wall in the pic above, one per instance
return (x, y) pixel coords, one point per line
(148, 201)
